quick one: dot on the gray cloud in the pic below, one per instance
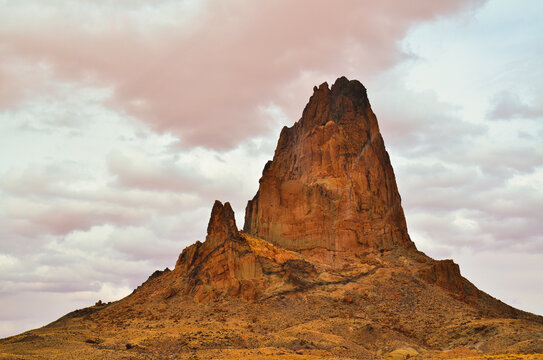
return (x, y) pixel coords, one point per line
(507, 105)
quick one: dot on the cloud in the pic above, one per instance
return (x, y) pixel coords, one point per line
(507, 105)
(418, 122)
(140, 171)
(206, 77)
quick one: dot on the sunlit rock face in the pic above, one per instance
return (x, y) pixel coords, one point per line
(223, 264)
(234, 264)
(330, 185)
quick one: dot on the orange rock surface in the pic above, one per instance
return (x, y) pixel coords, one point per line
(330, 184)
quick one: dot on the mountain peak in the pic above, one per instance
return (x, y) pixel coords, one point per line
(352, 89)
(343, 86)
(338, 104)
(330, 185)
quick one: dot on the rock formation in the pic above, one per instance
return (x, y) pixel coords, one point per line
(329, 195)
(330, 184)
(324, 269)
(223, 264)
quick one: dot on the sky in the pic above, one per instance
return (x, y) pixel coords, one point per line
(122, 122)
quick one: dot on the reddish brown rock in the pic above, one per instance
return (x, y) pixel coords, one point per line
(237, 265)
(223, 264)
(446, 274)
(221, 228)
(330, 185)
(222, 224)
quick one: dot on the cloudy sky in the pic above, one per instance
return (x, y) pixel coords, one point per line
(121, 123)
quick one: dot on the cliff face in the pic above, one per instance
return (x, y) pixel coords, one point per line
(330, 184)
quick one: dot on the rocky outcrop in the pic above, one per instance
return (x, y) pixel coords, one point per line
(220, 229)
(446, 274)
(237, 265)
(223, 264)
(330, 185)
(222, 224)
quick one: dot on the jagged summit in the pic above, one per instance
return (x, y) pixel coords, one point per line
(330, 185)
(223, 265)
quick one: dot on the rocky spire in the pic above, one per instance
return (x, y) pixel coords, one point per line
(330, 184)
(222, 224)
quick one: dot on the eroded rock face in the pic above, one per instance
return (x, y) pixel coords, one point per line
(234, 264)
(330, 185)
(223, 264)
(222, 224)
(446, 274)
(220, 229)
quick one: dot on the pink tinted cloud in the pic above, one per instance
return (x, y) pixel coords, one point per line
(138, 171)
(30, 218)
(205, 83)
(507, 105)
